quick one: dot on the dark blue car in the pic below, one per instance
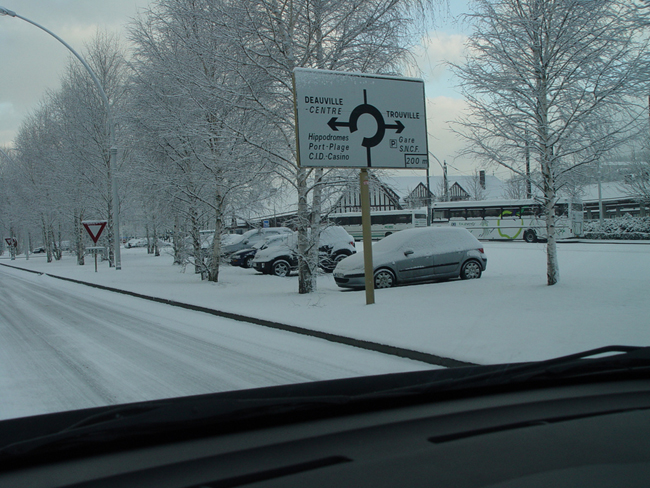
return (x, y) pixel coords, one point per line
(243, 258)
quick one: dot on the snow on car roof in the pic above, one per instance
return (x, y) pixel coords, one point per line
(442, 238)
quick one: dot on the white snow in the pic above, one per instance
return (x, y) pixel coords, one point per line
(507, 315)
(140, 350)
(66, 346)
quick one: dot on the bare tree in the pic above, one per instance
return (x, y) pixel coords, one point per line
(558, 78)
(276, 36)
(85, 128)
(476, 186)
(515, 188)
(185, 104)
(637, 182)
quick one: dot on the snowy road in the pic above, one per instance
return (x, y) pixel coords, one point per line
(65, 346)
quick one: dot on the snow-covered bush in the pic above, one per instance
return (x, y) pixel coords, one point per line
(626, 227)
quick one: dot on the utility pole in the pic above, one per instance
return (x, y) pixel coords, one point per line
(444, 180)
(601, 218)
(529, 189)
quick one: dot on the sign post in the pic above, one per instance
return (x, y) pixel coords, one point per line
(95, 251)
(355, 120)
(367, 235)
(95, 229)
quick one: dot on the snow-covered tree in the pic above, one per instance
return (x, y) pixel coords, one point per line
(275, 36)
(558, 78)
(637, 182)
(85, 128)
(185, 104)
(39, 186)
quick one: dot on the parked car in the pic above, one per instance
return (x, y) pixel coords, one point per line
(281, 257)
(414, 255)
(335, 244)
(244, 258)
(136, 242)
(250, 238)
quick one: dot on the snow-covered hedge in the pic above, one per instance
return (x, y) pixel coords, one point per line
(626, 227)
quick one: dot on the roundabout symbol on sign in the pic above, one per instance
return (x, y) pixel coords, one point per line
(358, 111)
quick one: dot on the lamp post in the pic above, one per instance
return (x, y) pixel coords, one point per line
(111, 130)
(444, 176)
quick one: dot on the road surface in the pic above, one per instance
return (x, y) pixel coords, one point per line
(65, 346)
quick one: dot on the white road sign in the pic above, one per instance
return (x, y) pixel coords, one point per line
(352, 120)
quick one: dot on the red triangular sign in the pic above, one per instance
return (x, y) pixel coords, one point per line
(95, 229)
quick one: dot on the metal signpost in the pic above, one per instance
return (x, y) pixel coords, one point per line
(95, 229)
(354, 120)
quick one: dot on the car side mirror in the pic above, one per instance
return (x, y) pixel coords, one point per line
(408, 252)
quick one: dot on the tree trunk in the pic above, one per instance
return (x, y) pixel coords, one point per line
(314, 237)
(305, 283)
(547, 158)
(177, 243)
(147, 236)
(46, 240)
(552, 265)
(156, 249)
(196, 241)
(59, 253)
(213, 272)
(110, 231)
(79, 238)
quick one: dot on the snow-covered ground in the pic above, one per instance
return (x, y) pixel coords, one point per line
(507, 315)
(67, 346)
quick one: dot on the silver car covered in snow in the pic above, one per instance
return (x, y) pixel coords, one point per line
(413, 255)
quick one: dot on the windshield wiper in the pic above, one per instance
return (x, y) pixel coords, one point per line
(629, 361)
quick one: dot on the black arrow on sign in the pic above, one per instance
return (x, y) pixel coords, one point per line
(334, 125)
(398, 126)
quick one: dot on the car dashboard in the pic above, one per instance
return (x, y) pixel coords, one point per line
(593, 434)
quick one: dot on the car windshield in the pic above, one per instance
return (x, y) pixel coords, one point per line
(506, 240)
(228, 239)
(270, 241)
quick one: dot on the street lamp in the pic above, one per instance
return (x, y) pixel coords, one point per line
(111, 130)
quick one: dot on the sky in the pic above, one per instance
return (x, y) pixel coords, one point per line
(31, 63)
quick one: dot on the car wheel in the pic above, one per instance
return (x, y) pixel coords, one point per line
(384, 278)
(471, 270)
(530, 236)
(248, 262)
(281, 268)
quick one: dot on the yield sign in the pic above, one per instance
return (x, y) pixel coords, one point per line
(11, 241)
(95, 228)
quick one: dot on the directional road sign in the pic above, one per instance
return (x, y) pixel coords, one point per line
(94, 228)
(352, 120)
